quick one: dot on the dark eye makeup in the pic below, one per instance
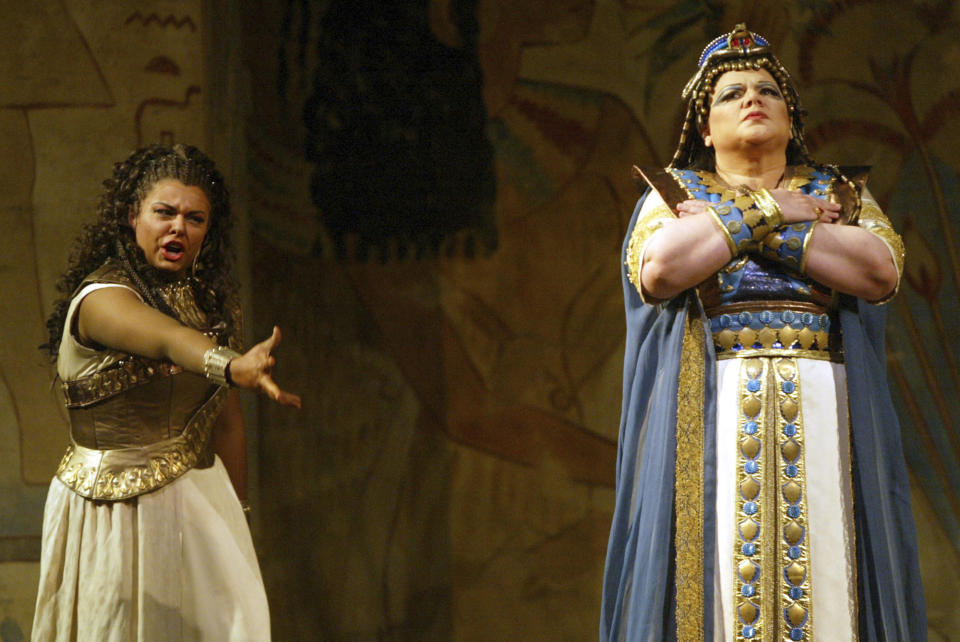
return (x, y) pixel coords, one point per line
(735, 91)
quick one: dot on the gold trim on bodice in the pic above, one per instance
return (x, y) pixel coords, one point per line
(122, 473)
(125, 374)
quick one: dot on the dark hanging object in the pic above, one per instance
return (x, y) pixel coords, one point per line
(396, 132)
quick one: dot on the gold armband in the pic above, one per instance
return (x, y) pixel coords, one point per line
(746, 220)
(788, 244)
(769, 206)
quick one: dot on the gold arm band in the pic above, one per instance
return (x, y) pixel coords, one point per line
(804, 254)
(726, 232)
(769, 206)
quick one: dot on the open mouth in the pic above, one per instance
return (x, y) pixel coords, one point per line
(172, 251)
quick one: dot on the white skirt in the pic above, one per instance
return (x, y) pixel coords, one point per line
(827, 505)
(176, 564)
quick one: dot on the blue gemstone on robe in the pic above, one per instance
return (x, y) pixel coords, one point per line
(750, 508)
(751, 467)
(794, 552)
(748, 548)
(750, 427)
(793, 512)
(796, 634)
(788, 387)
(753, 385)
(789, 430)
(788, 316)
(747, 590)
(796, 593)
(749, 632)
(791, 471)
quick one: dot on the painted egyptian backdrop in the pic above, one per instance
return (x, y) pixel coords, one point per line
(83, 85)
(436, 194)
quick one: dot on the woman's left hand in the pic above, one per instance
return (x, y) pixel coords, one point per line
(254, 369)
(798, 207)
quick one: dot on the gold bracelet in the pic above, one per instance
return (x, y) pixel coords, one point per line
(215, 364)
(806, 244)
(769, 206)
(727, 236)
(788, 244)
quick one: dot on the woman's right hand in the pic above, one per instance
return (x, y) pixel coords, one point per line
(798, 207)
(254, 368)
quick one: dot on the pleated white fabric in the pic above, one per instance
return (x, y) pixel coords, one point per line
(830, 511)
(175, 565)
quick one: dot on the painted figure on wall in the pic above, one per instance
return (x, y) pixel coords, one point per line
(761, 479)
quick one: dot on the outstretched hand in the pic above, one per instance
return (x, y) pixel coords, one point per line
(254, 368)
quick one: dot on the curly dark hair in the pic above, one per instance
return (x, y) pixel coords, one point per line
(111, 237)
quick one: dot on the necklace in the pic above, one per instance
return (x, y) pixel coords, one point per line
(743, 187)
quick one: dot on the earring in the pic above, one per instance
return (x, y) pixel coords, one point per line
(196, 263)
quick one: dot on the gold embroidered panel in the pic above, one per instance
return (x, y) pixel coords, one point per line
(771, 557)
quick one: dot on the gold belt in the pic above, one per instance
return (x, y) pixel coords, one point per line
(786, 331)
(123, 473)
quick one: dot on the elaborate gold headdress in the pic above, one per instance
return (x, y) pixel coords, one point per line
(738, 50)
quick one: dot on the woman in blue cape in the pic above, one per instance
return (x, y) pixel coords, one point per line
(762, 492)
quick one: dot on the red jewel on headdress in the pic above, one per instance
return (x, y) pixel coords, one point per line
(740, 37)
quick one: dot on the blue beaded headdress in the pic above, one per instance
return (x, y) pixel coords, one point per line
(738, 50)
(739, 38)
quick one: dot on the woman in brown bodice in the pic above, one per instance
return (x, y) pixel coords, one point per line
(144, 533)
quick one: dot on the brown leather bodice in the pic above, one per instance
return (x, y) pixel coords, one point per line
(139, 423)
